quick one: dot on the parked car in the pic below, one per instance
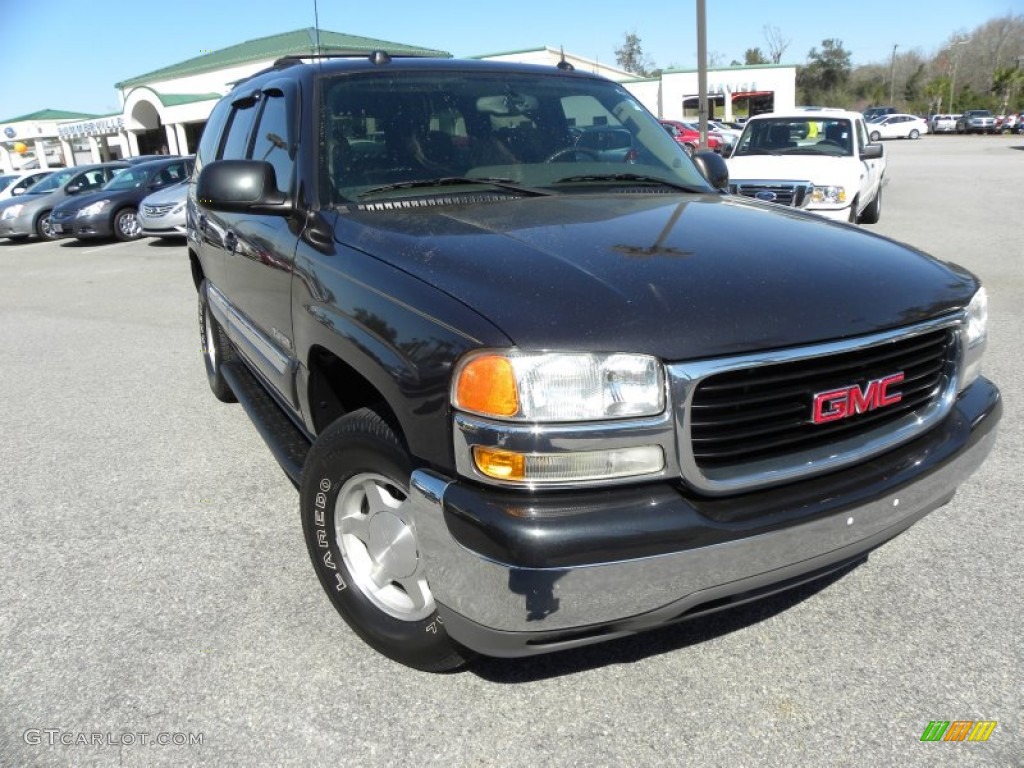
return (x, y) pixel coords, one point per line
(29, 213)
(689, 136)
(162, 214)
(19, 182)
(943, 123)
(976, 121)
(820, 162)
(112, 211)
(730, 134)
(533, 400)
(873, 114)
(898, 126)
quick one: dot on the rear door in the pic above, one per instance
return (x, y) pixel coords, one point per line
(258, 249)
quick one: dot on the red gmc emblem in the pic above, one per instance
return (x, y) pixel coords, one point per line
(842, 403)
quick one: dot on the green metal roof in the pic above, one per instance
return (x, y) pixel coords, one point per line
(49, 114)
(174, 99)
(298, 42)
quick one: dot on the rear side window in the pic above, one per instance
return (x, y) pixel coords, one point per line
(212, 133)
(273, 141)
(237, 140)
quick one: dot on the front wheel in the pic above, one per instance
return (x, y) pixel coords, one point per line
(915, 134)
(44, 227)
(875, 136)
(364, 546)
(873, 212)
(126, 225)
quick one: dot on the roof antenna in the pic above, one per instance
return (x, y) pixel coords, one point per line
(316, 27)
(563, 64)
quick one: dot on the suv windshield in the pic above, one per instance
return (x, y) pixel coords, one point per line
(394, 135)
(797, 136)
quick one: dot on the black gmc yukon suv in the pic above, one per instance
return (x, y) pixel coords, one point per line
(537, 393)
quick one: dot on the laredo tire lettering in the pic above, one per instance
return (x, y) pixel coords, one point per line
(360, 450)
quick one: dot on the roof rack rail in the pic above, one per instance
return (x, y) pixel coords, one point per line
(377, 56)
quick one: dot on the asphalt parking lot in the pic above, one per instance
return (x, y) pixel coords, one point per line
(155, 585)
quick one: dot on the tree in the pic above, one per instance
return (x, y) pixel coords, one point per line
(826, 74)
(754, 57)
(777, 44)
(630, 56)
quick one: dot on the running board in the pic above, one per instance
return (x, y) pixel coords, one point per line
(285, 440)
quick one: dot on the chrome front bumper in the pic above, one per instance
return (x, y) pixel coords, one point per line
(507, 610)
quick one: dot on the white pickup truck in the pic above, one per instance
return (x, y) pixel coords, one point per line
(821, 161)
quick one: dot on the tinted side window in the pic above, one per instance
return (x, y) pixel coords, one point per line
(273, 139)
(237, 140)
(212, 133)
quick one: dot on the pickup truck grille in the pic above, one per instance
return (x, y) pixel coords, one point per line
(749, 422)
(790, 193)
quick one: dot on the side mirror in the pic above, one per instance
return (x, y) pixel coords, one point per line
(18, 191)
(74, 189)
(241, 186)
(713, 167)
(872, 152)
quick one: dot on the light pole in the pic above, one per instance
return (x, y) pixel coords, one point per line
(952, 79)
(892, 76)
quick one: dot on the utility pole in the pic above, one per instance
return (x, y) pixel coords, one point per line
(892, 76)
(702, 74)
(952, 79)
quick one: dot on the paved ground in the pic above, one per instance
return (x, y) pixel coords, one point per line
(154, 579)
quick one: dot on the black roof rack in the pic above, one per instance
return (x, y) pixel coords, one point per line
(376, 56)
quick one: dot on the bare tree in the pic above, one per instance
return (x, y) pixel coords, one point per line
(631, 56)
(777, 44)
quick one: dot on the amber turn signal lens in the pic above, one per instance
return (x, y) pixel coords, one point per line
(501, 465)
(487, 385)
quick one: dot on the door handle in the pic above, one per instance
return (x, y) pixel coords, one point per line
(230, 241)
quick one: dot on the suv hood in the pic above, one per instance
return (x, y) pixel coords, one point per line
(676, 276)
(815, 168)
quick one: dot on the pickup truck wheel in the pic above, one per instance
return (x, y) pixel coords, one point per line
(873, 212)
(363, 543)
(875, 136)
(217, 350)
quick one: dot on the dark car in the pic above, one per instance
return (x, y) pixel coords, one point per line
(976, 121)
(112, 211)
(534, 398)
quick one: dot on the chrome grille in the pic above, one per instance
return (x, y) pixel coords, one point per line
(748, 421)
(157, 211)
(789, 193)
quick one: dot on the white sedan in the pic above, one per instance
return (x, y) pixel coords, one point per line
(898, 127)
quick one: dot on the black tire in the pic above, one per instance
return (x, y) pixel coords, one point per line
(126, 225)
(915, 134)
(216, 349)
(690, 149)
(873, 212)
(43, 227)
(355, 480)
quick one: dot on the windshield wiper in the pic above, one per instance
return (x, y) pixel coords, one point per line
(631, 177)
(456, 180)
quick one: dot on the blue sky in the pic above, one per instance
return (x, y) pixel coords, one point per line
(67, 54)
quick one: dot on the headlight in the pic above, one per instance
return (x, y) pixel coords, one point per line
(11, 211)
(828, 195)
(178, 208)
(558, 387)
(975, 336)
(93, 208)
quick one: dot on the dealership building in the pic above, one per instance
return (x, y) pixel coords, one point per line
(165, 111)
